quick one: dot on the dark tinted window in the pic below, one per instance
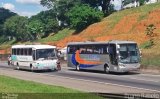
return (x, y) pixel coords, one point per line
(88, 49)
(29, 51)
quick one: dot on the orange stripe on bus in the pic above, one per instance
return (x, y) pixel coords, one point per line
(82, 61)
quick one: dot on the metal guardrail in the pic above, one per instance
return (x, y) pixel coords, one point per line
(129, 95)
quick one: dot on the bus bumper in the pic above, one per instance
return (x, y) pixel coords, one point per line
(44, 68)
(129, 68)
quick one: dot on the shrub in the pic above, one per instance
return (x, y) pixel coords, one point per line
(81, 16)
(147, 44)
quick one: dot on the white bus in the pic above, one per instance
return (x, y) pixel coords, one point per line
(115, 56)
(34, 57)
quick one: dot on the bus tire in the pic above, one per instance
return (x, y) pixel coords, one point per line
(9, 63)
(31, 68)
(78, 67)
(17, 66)
(106, 68)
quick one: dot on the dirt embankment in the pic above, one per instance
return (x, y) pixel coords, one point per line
(129, 27)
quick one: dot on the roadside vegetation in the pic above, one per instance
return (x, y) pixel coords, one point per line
(32, 90)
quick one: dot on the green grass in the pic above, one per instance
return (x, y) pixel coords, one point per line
(142, 11)
(151, 62)
(58, 36)
(7, 44)
(32, 90)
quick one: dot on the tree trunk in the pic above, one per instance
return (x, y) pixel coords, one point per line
(105, 6)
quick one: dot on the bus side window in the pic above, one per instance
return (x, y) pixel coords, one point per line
(34, 55)
(30, 51)
(68, 50)
(105, 49)
(71, 49)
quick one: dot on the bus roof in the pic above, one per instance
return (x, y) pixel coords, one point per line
(34, 46)
(107, 42)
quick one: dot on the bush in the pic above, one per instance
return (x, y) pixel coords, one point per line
(81, 16)
(147, 44)
(3, 39)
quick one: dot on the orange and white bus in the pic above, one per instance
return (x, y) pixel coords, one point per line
(115, 56)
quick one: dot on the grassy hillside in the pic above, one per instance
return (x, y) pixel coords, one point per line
(129, 24)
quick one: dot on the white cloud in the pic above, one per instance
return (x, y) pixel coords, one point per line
(28, 14)
(117, 4)
(8, 6)
(28, 1)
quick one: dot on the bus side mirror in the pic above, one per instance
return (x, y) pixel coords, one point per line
(118, 47)
(58, 54)
(107, 50)
(140, 52)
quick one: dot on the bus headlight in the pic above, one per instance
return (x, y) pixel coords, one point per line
(121, 65)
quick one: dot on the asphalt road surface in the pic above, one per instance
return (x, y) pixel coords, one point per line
(131, 80)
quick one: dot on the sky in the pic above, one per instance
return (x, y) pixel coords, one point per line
(23, 7)
(32, 7)
(117, 4)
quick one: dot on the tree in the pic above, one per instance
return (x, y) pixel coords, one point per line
(48, 18)
(141, 2)
(150, 34)
(36, 28)
(60, 7)
(150, 30)
(16, 26)
(104, 4)
(82, 16)
(63, 6)
(4, 14)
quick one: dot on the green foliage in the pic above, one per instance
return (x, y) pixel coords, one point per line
(151, 62)
(16, 26)
(32, 90)
(48, 18)
(3, 39)
(150, 30)
(60, 7)
(150, 34)
(104, 4)
(36, 28)
(4, 14)
(82, 16)
(141, 2)
(58, 36)
(20, 86)
(111, 9)
(147, 44)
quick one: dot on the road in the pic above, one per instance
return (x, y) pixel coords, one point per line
(94, 81)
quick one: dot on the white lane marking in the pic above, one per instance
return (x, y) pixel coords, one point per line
(93, 81)
(101, 82)
(128, 77)
(150, 75)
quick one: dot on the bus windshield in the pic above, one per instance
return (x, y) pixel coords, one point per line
(129, 53)
(45, 54)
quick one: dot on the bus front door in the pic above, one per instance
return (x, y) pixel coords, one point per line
(112, 54)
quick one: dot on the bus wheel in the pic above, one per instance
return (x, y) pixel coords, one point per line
(17, 67)
(31, 68)
(106, 68)
(77, 67)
